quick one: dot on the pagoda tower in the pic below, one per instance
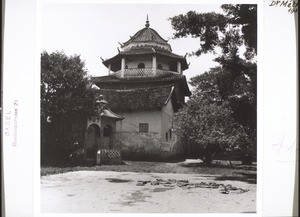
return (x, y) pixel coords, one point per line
(146, 85)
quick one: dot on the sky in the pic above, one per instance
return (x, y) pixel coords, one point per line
(94, 30)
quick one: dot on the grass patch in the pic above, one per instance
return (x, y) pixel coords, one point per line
(222, 169)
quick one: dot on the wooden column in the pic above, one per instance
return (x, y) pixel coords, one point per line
(122, 67)
(109, 69)
(179, 67)
(154, 65)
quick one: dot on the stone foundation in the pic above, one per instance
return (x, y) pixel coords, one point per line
(146, 146)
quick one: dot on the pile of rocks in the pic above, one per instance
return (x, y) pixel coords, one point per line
(172, 183)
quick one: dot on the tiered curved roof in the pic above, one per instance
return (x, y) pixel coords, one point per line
(168, 79)
(147, 35)
(146, 41)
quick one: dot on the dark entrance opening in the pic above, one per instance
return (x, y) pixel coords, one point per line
(107, 133)
(93, 138)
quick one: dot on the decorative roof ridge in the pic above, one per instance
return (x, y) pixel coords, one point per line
(170, 95)
(147, 22)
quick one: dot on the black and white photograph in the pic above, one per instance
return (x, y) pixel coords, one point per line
(113, 108)
(148, 108)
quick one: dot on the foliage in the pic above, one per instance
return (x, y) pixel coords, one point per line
(64, 83)
(237, 25)
(207, 121)
(222, 111)
(65, 99)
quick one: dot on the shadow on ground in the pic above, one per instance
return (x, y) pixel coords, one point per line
(240, 176)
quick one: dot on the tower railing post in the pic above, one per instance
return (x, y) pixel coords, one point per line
(179, 67)
(122, 67)
(154, 65)
(109, 69)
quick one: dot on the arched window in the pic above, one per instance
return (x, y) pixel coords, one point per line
(126, 66)
(141, 65)
(159, 66)
(94, 129)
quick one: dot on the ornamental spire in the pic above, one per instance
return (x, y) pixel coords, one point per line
(147, 22)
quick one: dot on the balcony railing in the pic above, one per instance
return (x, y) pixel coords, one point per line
(144, 72)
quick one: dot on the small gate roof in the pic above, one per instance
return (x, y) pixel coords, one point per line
(108, 113)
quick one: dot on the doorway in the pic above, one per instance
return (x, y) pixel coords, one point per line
(107, 133)
(92, 141)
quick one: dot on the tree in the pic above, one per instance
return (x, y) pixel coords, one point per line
(233, 83)
(206, 123)
(64, 87)
(238, 22)
(65, 98)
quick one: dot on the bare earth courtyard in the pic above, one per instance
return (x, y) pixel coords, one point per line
(128, 192)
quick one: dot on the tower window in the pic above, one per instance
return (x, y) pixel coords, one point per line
(173, 67)
(141, 65)
(144, 127)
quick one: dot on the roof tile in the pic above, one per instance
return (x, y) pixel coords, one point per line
(146, 35)
(149, 99)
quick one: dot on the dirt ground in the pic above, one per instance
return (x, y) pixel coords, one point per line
(124, 192)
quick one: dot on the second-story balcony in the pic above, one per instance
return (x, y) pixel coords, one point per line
(142, 72)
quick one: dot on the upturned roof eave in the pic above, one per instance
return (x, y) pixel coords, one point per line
(170, 95)
(116, 80)
(109, 114)
(107, 61)
(120, 55)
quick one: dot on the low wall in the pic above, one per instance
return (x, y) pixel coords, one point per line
(110, 156)
(146, 146)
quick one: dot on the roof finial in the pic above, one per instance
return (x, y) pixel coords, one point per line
(147, 22)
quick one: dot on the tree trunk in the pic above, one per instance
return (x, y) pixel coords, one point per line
(207, 156)
(230, 164)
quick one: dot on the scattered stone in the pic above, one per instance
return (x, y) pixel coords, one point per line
(242, 190)
(142, 183)
(155, 183)
(171, 183)
(172, 180)
(182, 184)
(169, 186)
(161, 181)
(224, 191)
